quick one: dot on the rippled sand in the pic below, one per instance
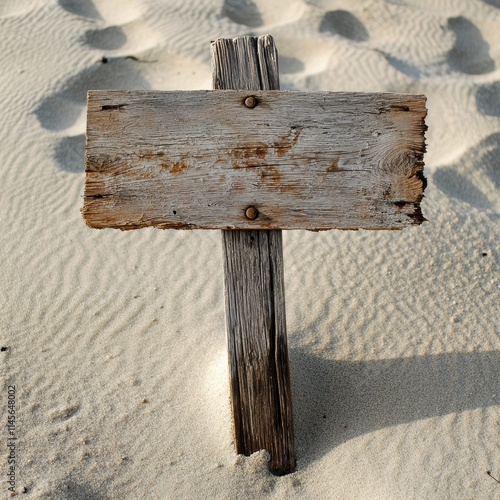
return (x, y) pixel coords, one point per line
(116, 341)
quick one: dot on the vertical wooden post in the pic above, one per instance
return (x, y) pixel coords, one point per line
(254, 290)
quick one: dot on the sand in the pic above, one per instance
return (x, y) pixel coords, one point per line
(115, 342)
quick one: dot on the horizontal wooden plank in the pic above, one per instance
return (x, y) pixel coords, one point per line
(303, 160)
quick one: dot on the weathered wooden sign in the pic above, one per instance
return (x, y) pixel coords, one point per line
(253, 162)
(302, 160)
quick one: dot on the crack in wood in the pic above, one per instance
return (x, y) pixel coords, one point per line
(107, 107)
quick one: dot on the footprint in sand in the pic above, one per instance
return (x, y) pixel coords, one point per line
(343, 23)
(110, 38)
(69, 153)
(134, 36)
(83, 9)
(243, 12)
(61, 110)
(403, 66)
(64, 110)
(305, 56)
(288, 64)
(256, 13)
(475, 178)
(488, 99)
(64, 413)
(470, 53)
(123, 27)
(115, 11)
(69, 488)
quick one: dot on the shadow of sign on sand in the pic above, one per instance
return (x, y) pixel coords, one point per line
(336, 401)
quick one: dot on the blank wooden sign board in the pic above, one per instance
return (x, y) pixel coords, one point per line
(252, 160)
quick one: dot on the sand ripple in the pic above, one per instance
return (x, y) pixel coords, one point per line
(116, 341)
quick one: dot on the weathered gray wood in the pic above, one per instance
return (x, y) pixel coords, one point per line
(254, 291)
(304, 160)
(258, 357)
(245, 63)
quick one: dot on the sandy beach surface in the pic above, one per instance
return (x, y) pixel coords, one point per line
(113, 348)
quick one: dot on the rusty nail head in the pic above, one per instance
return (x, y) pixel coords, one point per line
(251, 213)
(250, 102)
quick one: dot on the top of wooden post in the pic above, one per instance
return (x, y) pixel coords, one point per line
(245, 63)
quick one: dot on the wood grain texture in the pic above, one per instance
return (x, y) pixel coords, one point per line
(261, 398)
(305, 160)
(254, 291)
(245, 63)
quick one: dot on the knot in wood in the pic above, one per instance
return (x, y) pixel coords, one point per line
(251, 213)
(250, 102)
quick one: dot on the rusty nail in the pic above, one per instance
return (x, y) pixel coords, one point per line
(250, 102)
(251, 213)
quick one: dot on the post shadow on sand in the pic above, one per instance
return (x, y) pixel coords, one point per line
(336, 401)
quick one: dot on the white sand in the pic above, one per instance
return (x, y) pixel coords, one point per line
(116, 341)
